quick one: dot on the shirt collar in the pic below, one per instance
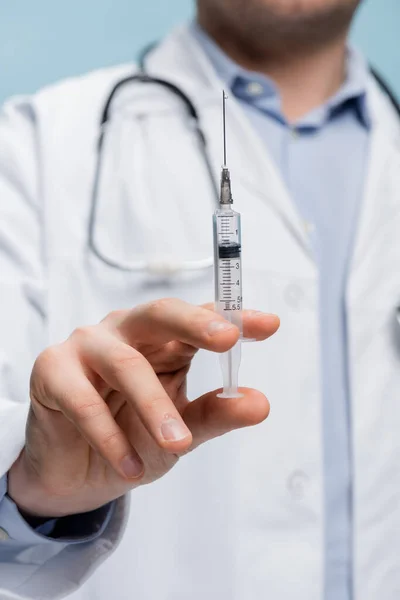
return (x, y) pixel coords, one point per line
(261, 92)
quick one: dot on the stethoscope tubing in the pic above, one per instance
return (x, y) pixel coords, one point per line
(155, 267)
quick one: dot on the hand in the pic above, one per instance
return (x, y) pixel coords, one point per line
(109, 410)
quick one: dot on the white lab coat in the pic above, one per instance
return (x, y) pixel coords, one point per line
(243, 517)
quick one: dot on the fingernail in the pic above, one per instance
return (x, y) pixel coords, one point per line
(132, 466)
(174, 431)
(218, 326)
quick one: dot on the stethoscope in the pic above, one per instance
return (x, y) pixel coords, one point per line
(164, 267)
(158, 266)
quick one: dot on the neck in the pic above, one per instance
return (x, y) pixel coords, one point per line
(305, 79)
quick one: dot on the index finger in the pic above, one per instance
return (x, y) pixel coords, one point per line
(257, 325)
(170, 319)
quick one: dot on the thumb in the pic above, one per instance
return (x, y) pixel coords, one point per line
(209, 416)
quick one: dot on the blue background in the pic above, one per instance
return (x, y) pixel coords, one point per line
(44, 40)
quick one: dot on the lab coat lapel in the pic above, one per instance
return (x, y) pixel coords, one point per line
(380, 201)
(180, 59)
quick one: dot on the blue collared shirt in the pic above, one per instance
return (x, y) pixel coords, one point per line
(322, 160)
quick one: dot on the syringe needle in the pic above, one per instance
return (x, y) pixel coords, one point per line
(224, 98)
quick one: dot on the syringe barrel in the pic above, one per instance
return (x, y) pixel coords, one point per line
(228, 265)
(228, 289)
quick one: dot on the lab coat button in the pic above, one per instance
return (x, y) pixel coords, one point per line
(254, 88)
(294, 295)
(3, 535)
(297, 484)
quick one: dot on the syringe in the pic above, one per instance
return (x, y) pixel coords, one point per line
(228, 273)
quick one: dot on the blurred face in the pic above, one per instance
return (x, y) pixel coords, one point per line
(278, 23)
